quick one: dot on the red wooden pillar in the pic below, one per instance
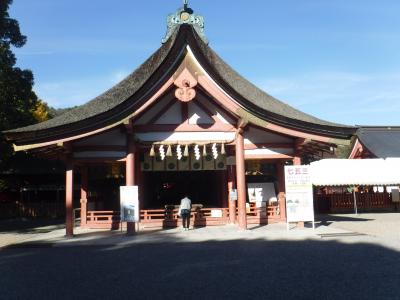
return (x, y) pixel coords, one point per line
(280, 169)
(69, 191)
(139, 178)
(241, 180)
(297, 147)
(84, 190)
(232, 203)
(296, 160)
(130, 174)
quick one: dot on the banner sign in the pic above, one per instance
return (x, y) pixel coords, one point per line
(129, 199)
(299, 194)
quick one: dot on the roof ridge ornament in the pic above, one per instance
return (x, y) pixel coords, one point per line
(185, 15)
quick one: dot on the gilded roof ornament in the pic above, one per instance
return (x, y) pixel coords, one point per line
(185, 15)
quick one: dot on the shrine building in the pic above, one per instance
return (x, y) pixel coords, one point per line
(183, 122)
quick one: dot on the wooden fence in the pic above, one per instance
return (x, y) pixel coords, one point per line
(32, 210)
(345, 202)
(165, 218)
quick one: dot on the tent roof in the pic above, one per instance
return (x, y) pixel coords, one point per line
(343, 172)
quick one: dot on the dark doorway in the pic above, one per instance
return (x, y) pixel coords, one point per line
(167, 188)
(104, 185)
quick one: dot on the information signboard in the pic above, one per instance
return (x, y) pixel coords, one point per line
(261, 192)
(129, 199)
(299, 194)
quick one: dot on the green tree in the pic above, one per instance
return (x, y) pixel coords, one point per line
(17, 100)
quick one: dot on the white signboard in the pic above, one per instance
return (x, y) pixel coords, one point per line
(216, 213)
(395, 195)
(261, 193)
(299, 194)
(129, 199)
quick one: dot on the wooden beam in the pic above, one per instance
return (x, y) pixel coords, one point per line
(252, 146)
(203, 95)
(185, 113)
(267, 156)
(220, 127)
(162, 112)
(99, 148)
(69, 193)
(84, 191)
(241, 181)
(231, 186)
(130, 173)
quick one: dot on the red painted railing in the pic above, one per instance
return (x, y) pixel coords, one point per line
(345, 202)
(103, 219)
(169, 217)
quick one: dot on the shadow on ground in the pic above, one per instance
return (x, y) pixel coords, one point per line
(238, 269)
(26, 225)
(327, 220)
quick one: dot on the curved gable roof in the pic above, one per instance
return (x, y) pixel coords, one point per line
(119, 101)
(383, 142)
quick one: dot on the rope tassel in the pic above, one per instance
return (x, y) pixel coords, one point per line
(152, 152)
(223, 152)
(186, 151)
(169, 151)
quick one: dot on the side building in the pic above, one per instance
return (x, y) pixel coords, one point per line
(376, 142)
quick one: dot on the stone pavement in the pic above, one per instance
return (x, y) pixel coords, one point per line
(346, 257)
(373, 228)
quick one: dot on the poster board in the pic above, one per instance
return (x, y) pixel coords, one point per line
(129, 201)
(261, 193)
(299, 194)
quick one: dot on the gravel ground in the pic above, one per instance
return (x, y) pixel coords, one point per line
(382, 228)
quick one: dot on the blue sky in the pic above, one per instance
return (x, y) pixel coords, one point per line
(337, 60)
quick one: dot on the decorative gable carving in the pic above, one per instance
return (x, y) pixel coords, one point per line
(185, 83)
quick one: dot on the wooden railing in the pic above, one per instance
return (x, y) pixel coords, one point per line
(169, 217)
(263, 212)
(199, 213)
(32, 209)
(103, 219)
(345, 202)
(262, 215)
(153, 214)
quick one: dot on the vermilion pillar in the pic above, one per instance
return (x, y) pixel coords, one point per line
(297, 161)
(297, 147)
(280, 169)
(232, 203)
(84, 190)
(69, 190)
(241, 181)
(130, 174)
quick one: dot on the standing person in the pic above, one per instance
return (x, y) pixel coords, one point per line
(184, 211)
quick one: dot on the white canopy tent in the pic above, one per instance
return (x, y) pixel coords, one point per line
(354, 172)
(350, 172)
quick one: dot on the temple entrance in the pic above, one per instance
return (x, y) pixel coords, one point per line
(167, 188)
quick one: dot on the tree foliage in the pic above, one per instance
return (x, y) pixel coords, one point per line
(41, 112)
(17, 100)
